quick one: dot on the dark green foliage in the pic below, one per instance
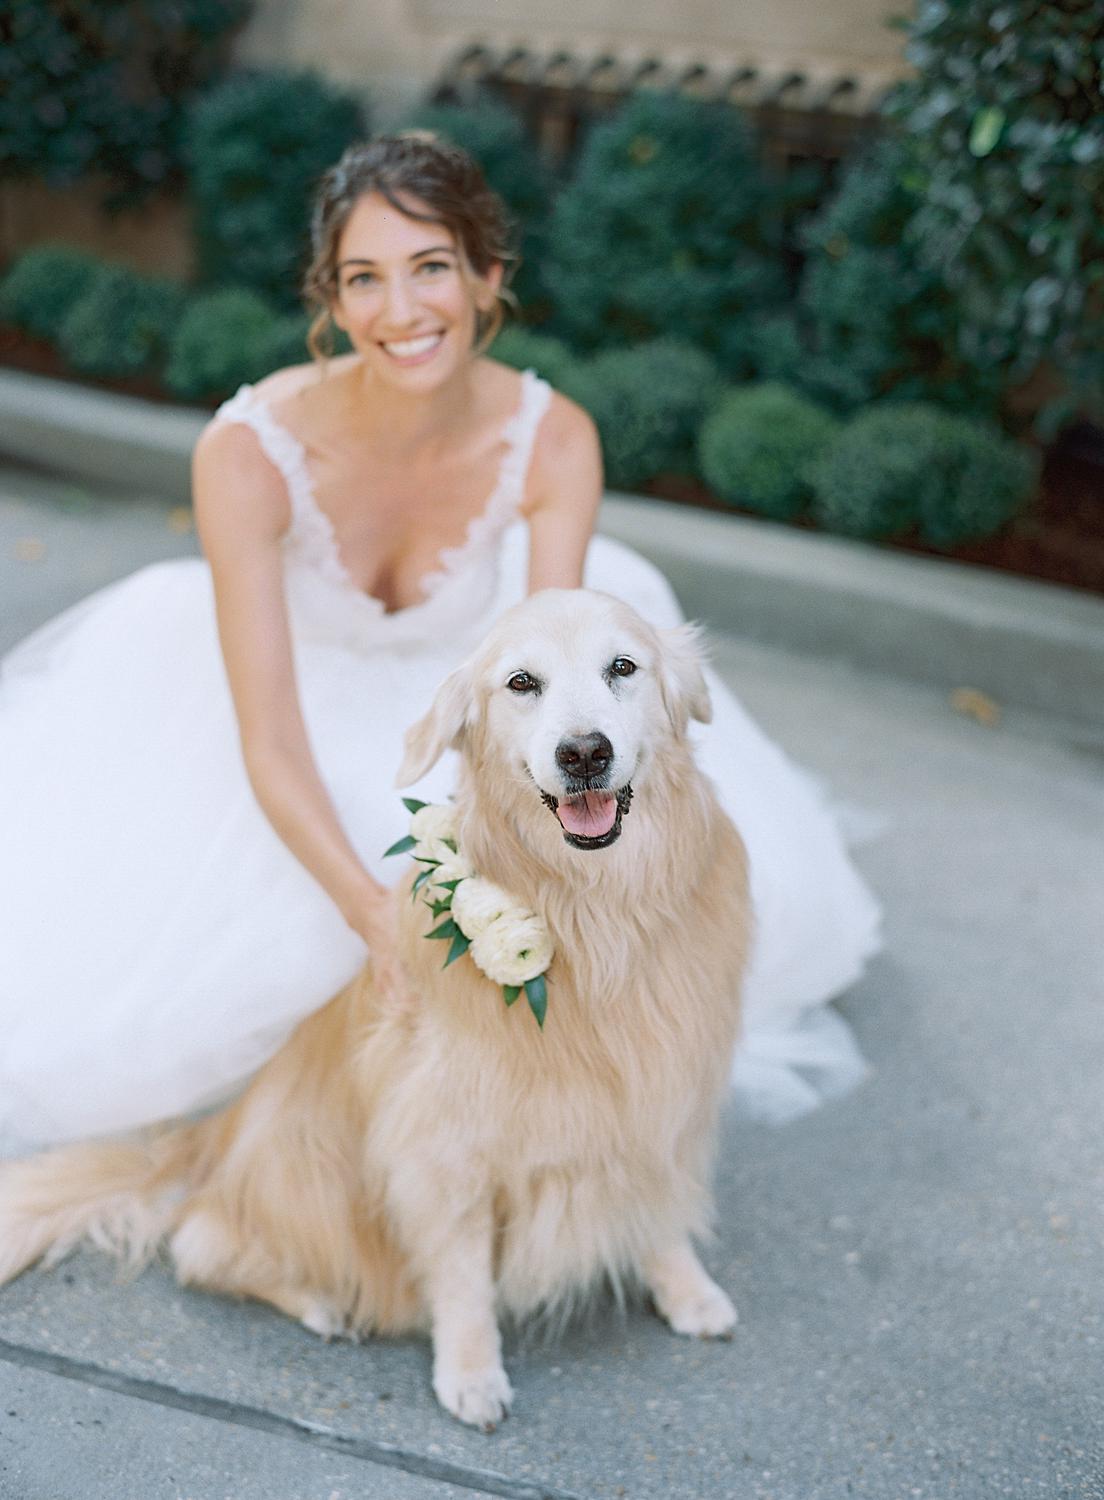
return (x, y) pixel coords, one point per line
(122, 324)
(1006, 112)
(756, 447)
(283, 343)
(100, 86)
(43, 285)
(257, 145)
(524, 350)
(913, 467)
(648, 403)
(218, 343)
(515, 169)
(668, 227)
(871, 319)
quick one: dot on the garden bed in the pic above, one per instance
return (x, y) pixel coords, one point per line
(1059, 538)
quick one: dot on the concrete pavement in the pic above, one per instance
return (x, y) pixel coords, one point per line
(919, 1267)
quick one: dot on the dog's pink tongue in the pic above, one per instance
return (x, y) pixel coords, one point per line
(590, 815)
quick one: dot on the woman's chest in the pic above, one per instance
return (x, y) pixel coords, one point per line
(393, 520)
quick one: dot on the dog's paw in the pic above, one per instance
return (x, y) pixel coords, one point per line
(324, 1318)
(479, 1397)
(706, 1313)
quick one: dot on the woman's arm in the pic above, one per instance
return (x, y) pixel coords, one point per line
(242, 510)
(563, 493)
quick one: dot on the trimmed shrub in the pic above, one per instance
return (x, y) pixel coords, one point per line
(515, 169)
(257, 145)
(284, 342)
(122, 324)
(756, 446)
(895, 469)
(44, 285)
(523, 350)
(871, 319)
(216, 344)
(669, 227)
(102, 88)
(648, 404)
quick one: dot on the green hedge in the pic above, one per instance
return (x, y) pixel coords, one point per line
(1004, 107)
(668, 227)
(226, 339)
(42, 287)
(101, 88)
(648, 403)
(757, 445)
(122, 324)
(257, 145)
(893, 470)
(870, 318)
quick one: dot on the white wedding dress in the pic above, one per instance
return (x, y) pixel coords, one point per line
(158, 942)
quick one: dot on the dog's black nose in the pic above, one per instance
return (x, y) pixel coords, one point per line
(584, 756)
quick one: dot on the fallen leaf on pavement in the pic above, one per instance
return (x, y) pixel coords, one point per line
(977, 706)
(180, 520)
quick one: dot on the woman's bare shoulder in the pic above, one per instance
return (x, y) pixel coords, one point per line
(566, 431)
(566, 468)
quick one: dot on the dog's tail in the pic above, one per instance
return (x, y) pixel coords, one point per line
(120, 1196)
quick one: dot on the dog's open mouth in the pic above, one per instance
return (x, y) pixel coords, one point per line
(590, 819)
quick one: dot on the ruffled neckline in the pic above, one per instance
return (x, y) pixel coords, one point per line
(311, 540)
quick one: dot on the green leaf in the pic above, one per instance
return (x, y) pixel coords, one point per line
(536, 992)
(986, 129)
(510, 992)
(450, 844)
(420, 880)
(412, 804)
(460, 944)
(424, 859)
(446, 930)
(449, 885)
(437, 907)
(401, 846)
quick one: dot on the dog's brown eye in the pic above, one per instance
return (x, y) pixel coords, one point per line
(622, 666)
(523, 682)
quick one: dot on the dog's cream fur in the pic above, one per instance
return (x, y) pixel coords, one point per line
(436, 1163)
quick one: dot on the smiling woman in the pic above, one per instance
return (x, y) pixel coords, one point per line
(196, 765)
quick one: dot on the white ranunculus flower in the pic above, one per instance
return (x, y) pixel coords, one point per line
(431, 826)
(455, 867)
(514, 948)
(477, 903)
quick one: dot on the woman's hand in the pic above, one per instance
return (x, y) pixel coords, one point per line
(376, 919)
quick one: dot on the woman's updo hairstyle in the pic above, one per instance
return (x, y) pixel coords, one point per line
(414, 167)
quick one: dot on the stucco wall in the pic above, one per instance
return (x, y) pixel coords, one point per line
(395, 48)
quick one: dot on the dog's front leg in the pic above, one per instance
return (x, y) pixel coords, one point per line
(468, 1377)
(687, 1296)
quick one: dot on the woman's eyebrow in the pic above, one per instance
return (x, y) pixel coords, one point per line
(363, 260)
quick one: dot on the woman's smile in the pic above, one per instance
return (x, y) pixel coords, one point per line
(413, 351)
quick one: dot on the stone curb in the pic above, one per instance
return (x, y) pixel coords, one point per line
(1024, 643)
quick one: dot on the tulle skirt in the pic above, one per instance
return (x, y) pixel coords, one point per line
(157, 940)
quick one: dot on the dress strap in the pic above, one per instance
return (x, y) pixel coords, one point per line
(520, 435)
(311, 529)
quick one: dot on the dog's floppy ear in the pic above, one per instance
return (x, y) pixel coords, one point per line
(682, 682)
(440, 729)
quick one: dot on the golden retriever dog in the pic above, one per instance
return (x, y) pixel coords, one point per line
(439, 1160)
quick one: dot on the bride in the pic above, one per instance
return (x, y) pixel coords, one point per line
(197, 763)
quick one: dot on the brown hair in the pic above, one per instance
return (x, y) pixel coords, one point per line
(415, 167)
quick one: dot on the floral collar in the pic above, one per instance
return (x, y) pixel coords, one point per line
(507, 941)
